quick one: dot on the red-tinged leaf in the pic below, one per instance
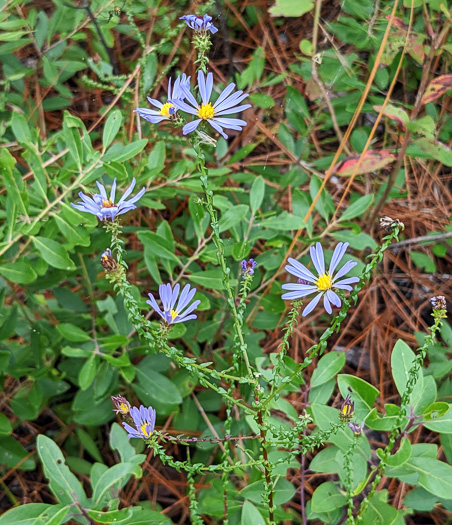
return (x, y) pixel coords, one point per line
(394, 113)
(398, 22)
(373, 160)
(436, 88)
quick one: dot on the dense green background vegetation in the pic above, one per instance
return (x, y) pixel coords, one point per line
(71, 78)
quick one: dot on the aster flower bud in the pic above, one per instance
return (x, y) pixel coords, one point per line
(357, 429)
(347, 409)
(387, 224)
(108, 262)
(248, 267)
(122, 406)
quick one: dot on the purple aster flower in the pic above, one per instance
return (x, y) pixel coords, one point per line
(144, 419)
(324, 283)
(213, 114)
(248, 267)
(357, 429)
(171, 313)
(200, 23)
(168, 110)
(105, 208)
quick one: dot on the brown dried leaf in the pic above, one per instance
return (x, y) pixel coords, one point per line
(436, 88)
(373, 160)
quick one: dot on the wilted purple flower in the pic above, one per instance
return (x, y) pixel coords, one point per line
(105, 208)
(324, 283)
(248, 267)
(144, 419)
(168, 110)
(347, 409)
(199, 23)
(213, 114)
(122, 406)
(108, 262)
(438, 302)
(356, 429)
(171, 313)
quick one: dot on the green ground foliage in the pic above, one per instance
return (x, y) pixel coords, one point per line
(349, 122)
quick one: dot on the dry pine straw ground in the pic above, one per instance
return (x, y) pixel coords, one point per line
(394, 306)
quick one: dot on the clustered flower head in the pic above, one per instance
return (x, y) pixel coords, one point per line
(324, 283)
(199, 23)
(104, 207)
(248, 267)
(173, 313)
(166, 111)
(144, 421)
(122, 406)
(357, 429)
(438, 302)
(226, 104)
(347, 409)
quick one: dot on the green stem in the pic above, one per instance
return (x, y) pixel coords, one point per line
(284, 345)
(237, 319)
(154, 338)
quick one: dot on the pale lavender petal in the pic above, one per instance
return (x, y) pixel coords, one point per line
(202, 87)
(327, 305)
(349, 280)
(128, 191)
(113, 191)
(174, 296)
(237, 109)
(337, 256)
(217, 127)
(182, 319)
(226, 91)
(298, 286)
(345, 269)
(180, 104)
(311, 305)
(334, 298)
(190, 309)
(208, 87)
(102, 191)
(299, 270)
(290, 296)
(155, 102)
(317, 258)
(191, 126)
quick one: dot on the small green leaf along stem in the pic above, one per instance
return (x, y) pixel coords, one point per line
(237, 319)
(155, 338)
(348, 477)
(401, 418)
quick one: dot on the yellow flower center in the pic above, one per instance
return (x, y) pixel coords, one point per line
(324, 282)
(108, 204)
(144, 431)
(174, 314)
(123, 407)
(206, 111)
(165, 109)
